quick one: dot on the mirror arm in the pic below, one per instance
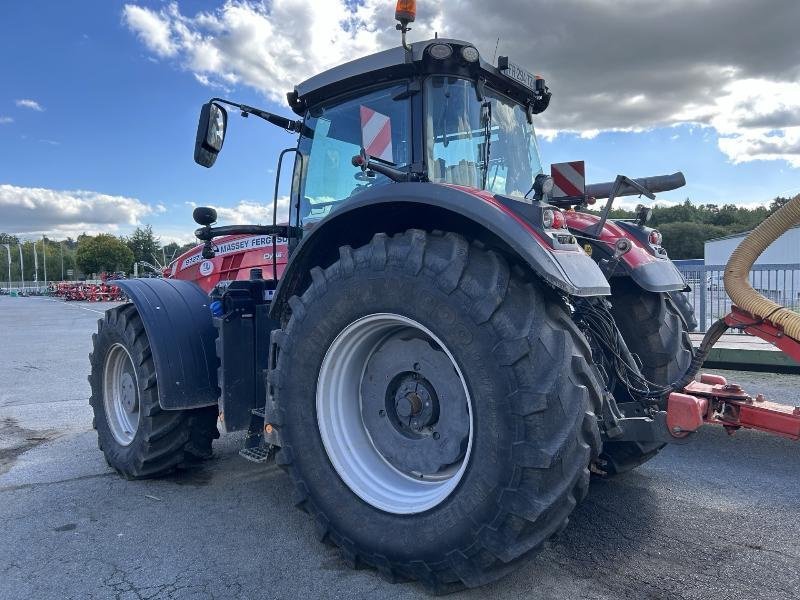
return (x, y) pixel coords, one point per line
(282, 122)
(208, 233)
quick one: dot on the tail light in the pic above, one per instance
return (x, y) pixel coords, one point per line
(553, 219)
(655, 237)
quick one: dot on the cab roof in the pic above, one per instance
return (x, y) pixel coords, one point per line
(398, 63)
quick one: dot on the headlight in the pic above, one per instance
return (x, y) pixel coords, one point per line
(440, 51)
(470, 54)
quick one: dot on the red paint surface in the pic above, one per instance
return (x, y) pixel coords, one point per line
(228, 267)
(638, 254)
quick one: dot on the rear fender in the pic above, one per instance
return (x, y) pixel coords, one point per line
(649, 267)
(390, 209)
(178, 324)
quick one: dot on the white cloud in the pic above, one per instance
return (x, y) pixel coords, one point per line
(36, 211)
(5, 120)
(267, 47)
(28, 103)
(152, 28)
(250, 212)
(610, 68)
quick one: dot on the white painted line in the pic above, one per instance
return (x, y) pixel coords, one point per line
(99, 312)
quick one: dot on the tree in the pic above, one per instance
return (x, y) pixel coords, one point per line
(777, 203)
(103, 253)
(144, 245)
(7, 238)
(687, 240)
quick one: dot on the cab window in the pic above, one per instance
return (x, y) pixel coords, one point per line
(336, 133)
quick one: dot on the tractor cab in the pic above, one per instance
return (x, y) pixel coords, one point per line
(433, 111)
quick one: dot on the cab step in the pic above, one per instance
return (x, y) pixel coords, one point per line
(258, 454)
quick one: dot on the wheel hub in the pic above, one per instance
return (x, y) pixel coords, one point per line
(120, 394)
(394, 413)
(414, 407)
(128, 393)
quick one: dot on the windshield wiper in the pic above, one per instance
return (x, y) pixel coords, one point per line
(486, 117)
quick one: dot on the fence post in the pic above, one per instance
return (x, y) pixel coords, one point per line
(703, 289)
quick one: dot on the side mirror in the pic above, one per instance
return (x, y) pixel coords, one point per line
(210, 134)
(204, 215)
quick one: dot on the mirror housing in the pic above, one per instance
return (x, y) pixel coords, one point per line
(211, 129)
(204, 215)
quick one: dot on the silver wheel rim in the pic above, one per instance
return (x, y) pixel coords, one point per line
(121, 394)
(347, 440)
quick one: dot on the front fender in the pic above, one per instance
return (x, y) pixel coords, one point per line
(182, 337)
(401, 206)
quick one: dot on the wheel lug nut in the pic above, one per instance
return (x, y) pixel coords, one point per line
(436, 435)
(381, 413)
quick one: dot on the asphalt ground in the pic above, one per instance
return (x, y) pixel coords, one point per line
(717, 518)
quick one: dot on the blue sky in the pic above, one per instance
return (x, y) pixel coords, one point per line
(119, 104)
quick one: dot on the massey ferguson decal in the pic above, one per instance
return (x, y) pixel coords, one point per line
(569, 179)
(233, 246)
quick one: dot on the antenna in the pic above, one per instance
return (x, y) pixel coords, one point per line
(495, 49)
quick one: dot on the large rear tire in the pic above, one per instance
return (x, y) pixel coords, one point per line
(137, 437)
(654, 329)
(521, 431)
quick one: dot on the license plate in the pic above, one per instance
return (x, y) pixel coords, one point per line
(517, 73)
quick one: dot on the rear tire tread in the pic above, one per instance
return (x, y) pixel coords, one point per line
(547, 390)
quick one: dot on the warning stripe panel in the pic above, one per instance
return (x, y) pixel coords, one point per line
(376, 134)
(568, 179)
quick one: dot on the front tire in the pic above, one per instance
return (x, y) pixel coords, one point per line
(138, 438)
(477, 331)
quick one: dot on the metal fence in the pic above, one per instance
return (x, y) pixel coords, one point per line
(28, 287)
(780, 283)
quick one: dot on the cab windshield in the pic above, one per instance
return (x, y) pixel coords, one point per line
(486, 144)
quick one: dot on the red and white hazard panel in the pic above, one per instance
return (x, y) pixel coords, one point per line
(569, 179)
(376, 134)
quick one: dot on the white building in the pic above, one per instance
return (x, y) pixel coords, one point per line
(785, 250)
(780, 283)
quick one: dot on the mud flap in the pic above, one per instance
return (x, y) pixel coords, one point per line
(178, 324)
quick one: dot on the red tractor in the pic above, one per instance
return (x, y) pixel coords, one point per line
(436, 344)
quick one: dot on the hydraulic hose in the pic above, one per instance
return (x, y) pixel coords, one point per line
(737, 271)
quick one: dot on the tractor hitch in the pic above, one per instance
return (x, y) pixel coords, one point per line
(733, 408)
(709, 401)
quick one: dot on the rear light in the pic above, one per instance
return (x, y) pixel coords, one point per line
(547, 218)
(553, 219)
(655, 237)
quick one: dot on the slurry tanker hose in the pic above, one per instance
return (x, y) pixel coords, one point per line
(737, 271)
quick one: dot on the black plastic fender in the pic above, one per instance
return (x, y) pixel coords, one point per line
(178, 324)
(400, 206)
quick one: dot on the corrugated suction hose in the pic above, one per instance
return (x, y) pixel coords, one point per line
(737, 271)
